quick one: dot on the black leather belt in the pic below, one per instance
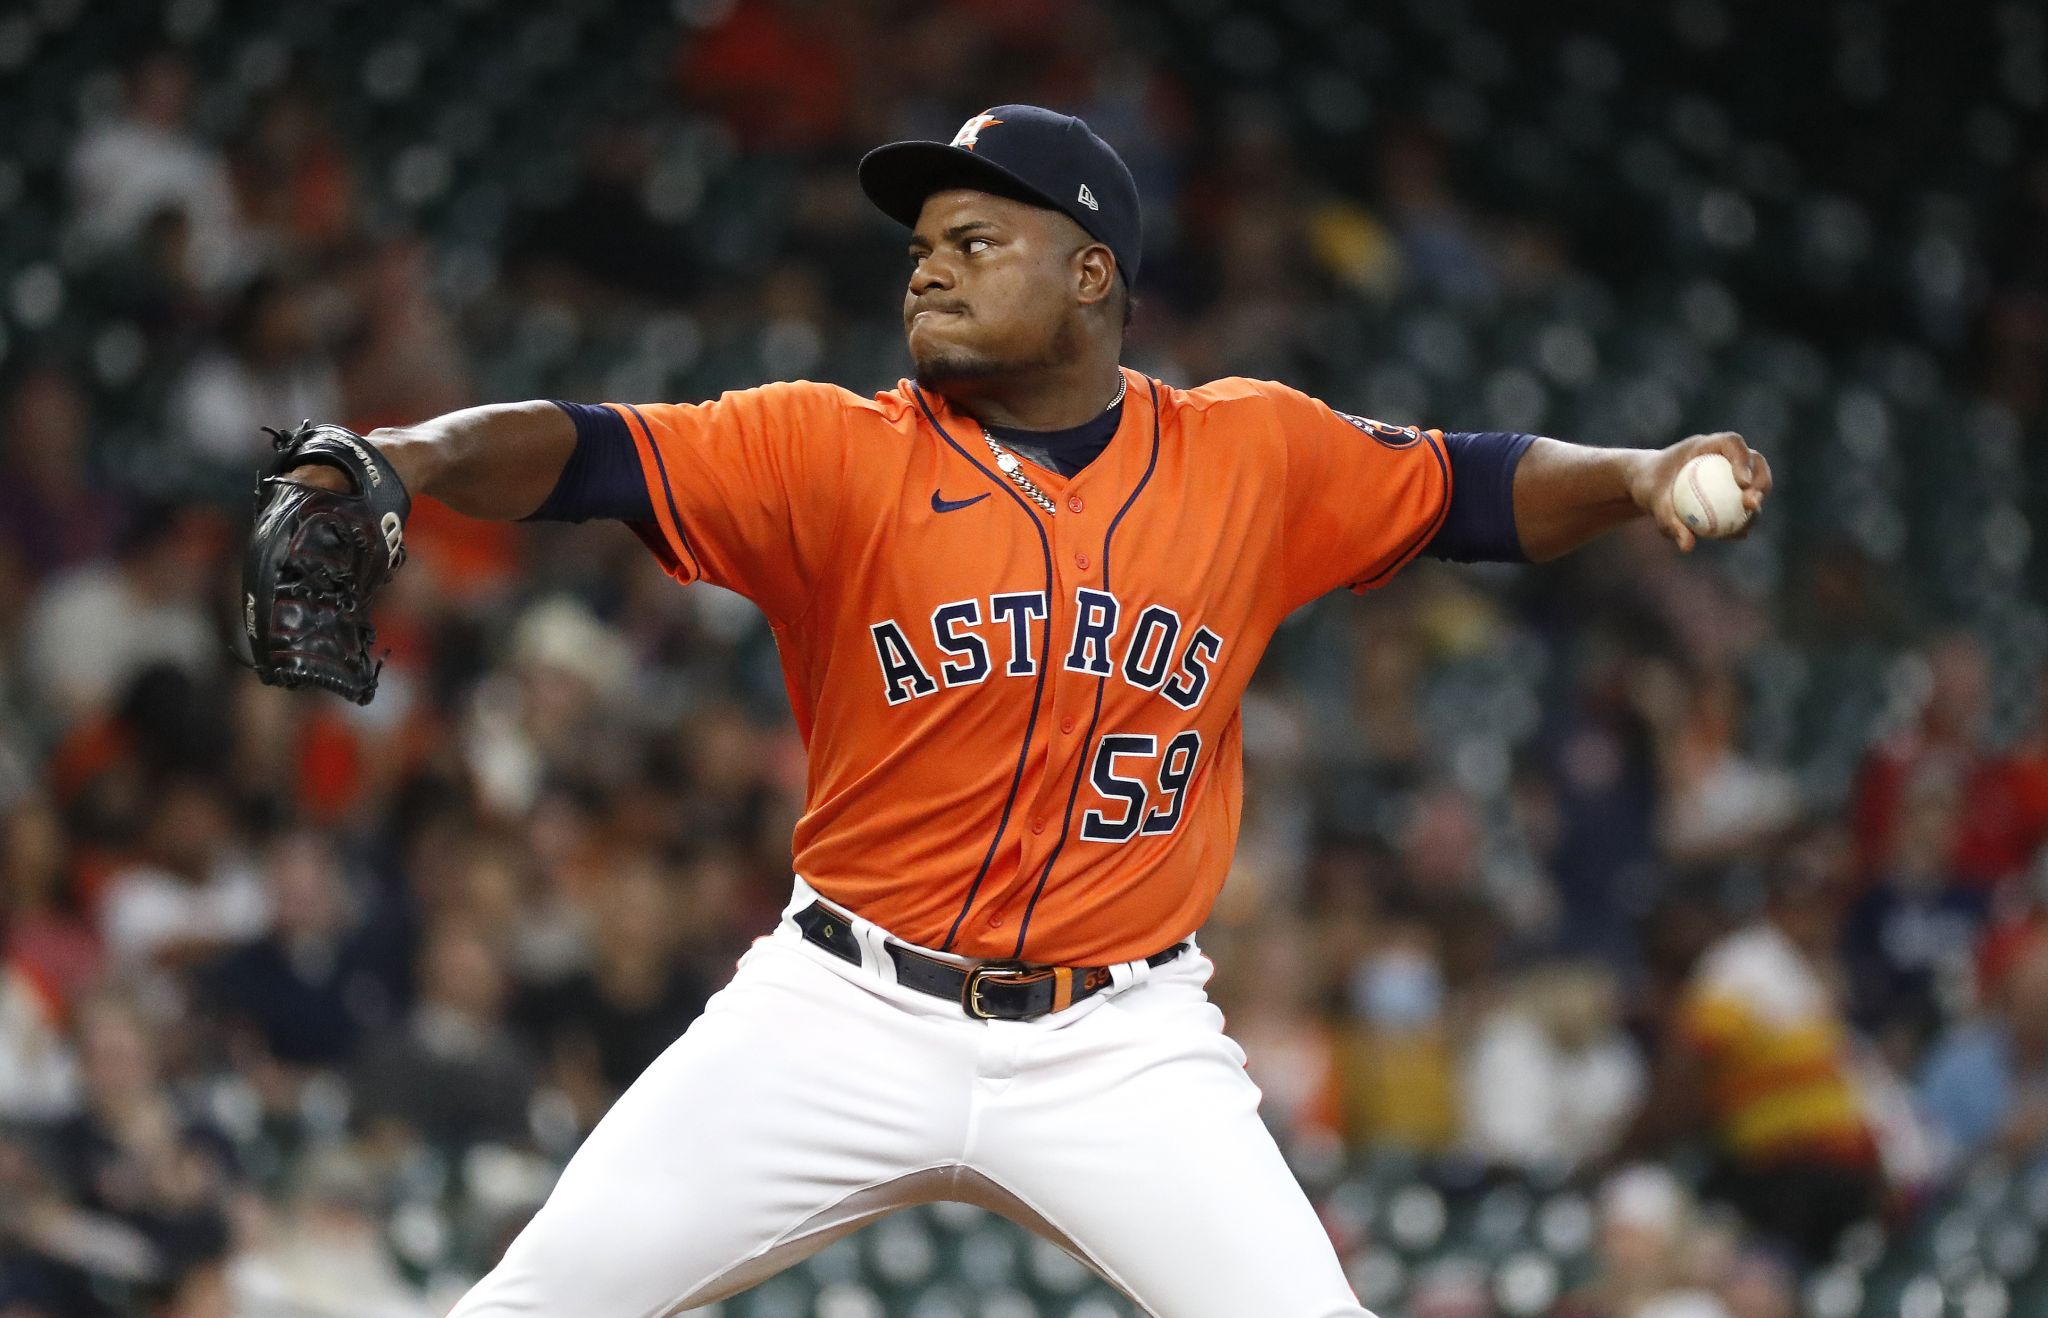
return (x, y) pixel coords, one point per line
(986, 990)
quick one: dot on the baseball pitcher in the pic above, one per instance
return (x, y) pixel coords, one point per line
(1017, 599)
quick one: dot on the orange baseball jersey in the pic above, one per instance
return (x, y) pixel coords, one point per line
(1022, 727)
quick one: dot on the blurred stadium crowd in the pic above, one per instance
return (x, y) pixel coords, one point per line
(1638, 937)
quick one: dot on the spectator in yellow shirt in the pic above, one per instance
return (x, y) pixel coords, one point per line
(1759, 1060)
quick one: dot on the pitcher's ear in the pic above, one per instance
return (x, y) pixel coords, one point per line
(1096, 279)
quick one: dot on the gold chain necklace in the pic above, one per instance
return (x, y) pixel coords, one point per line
(1010, 465)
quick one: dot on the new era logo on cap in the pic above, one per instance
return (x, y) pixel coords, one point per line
(1087, 198)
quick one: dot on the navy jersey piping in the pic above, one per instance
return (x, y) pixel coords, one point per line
(1088, 738)
(1037, 690)
(1428, 532)
(661, 468)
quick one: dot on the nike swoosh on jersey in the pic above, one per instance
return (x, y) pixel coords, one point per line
(953, 505)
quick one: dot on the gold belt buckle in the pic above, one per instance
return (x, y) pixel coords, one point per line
(1015, 972)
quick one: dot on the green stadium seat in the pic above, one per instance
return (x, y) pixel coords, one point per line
(785, 1296)
(1861, 1247)
(1526, 1284)
(1921, 1297)
(838, 1264)
(1007, 1304)
(939, 1303)
(847, 1300)
(1378, 1276)
(988, 1256)
(1565, 1224)
(1501, 1220)
(1097, 1306)
(1415, 1219)
(1834, 1292)
(2013, 1249)
(1055, 1271)
(901, 1250)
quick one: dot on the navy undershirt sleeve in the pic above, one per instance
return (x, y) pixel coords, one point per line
(1479, 526)
(602, 477)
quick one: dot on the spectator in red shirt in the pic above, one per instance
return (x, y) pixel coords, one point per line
(2005, 811)
(775, 71)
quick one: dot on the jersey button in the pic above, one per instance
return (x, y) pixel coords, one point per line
(1067, 723)
(1081, 561)
(1038, 825)
(995, 922)
(1074, 504)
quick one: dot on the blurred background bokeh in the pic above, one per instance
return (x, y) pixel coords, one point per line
(1636, 937)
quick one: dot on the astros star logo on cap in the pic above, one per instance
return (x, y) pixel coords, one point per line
(970, 132)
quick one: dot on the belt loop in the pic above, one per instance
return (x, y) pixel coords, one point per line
(874, 947)
(801, 896)
(1126, 974)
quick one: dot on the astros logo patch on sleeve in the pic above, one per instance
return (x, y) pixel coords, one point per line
(1391, 435)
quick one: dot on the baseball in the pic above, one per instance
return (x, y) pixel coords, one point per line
(1707, 498)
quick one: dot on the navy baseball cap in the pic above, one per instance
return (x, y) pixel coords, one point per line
(1025, 153)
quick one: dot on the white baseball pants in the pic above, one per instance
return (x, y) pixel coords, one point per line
(814, 1096)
